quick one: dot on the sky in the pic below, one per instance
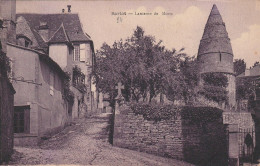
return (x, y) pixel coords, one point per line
(182, 29)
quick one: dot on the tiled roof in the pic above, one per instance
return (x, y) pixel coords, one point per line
(215, 37)
(39, 39)
(70, 21)
(60, 36)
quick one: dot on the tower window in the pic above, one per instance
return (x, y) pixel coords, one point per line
(220, 56)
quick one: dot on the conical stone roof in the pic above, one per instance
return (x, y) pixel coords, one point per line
(215, 37)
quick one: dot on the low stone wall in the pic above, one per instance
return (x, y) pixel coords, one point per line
(197, 141)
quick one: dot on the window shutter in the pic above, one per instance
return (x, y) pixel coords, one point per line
(52, 83)
(88, 50)
(82, 52)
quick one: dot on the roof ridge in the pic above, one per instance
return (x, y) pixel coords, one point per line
(47, 13)
(61, 27)
(39, 35)
(64, 30)
(71, 22)
(54, 33)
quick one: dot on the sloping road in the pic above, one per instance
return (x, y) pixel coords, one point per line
(86, 142)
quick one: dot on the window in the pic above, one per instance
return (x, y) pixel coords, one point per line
(89, 54)
(76, 53)
(22, 119)
(82, 52)
(51, 83)
(23, 41)
(26, 43)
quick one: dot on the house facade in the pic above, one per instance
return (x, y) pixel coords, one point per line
(39, 105)
(51, 60)
(61, 36)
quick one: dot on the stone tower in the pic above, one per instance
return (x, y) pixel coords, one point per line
(7, 19)
(215, 52)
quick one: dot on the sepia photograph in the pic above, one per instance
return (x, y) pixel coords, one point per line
(130, 82)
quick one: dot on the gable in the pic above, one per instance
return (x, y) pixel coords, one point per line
(60, 36)
(23, 29)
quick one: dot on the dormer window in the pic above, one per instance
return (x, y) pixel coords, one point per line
(23, 41)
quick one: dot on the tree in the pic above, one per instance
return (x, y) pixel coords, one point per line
(255, 64)
(144, 66)
(239, 66)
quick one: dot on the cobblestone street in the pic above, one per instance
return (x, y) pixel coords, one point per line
(86, 142)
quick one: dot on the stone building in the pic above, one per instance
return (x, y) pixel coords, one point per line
(215, 52)
(61, 36)
(7, 34)
(44, 50)
(39, 104)
(215, 55)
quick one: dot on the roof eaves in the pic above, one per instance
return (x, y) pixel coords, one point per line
(44, 57)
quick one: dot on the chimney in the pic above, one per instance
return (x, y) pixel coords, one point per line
(63, 10)
(69, 6)
(44, 30)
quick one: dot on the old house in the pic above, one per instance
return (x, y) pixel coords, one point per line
(7, 27)
(51, 61)
(40, 107)
(51, 33)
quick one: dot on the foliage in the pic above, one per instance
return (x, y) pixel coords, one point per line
(255, 64)
(4, 64)
(144, 67)
(239, 66)
(244, 88)
(215, 79)
(190, 74)
(67, 93)
(79, 79)
(158, 112)
(214, 86)
(155, 112)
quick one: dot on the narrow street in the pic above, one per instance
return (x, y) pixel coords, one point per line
(86, 142)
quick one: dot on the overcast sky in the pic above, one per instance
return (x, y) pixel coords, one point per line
(182, 29)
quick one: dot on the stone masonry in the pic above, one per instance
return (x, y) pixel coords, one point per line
(178, 138)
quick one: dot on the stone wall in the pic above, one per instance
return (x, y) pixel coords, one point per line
(244, 125)
(180, 137)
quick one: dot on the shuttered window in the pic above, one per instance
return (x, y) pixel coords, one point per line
(82, 52)
(76, 53)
